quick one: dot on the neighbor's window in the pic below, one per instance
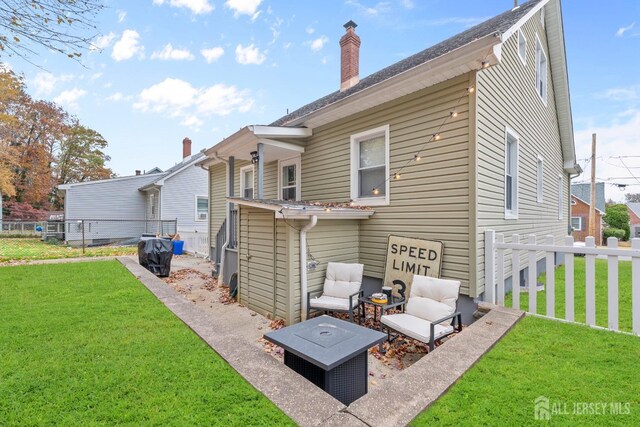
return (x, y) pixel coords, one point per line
(246, 181)
(560, 192)
(522, 47)
(540, 180)
(576, 223)
(202, 208)
(370, 166)
(289, 178)
(511, 175)
(541, 71)
(152, 203)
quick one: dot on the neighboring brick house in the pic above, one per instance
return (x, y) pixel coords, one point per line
(581, 195)
(634, 215)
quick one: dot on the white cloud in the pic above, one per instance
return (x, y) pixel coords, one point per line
(212, 54)
(620, 137)
(377, 9)
(178, 98)
(408, 4)
(318, 43)
(102, 42)
(44, 82)
(275, 30)
(119, 96)
(310, 30)
(287, 45)
(69, 98)
(196, 6)
(244, 7)
(96, 76)
(121, 15)
(631, 93)
(168, 53)
(249, 55)
(128, 46)
(622, 30)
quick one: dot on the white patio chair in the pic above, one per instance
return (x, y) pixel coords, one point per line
(430, 312)
(341, 289)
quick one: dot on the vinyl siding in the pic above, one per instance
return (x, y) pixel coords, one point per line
(506, 96)
(179, 198)
(217, 199)
(431, 201)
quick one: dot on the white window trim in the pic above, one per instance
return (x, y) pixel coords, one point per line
(242, 183)
(201, 196)
(579, 218)
(523, 59)
(560, 191)
(513, 213)
(296, 161)
(546, 83)
(540, 180)
(355, 162)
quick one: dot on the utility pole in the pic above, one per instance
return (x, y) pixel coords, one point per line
(592, 202)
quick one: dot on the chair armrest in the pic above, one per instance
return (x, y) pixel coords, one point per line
(455, 316)
(312, 293)
(358, 294)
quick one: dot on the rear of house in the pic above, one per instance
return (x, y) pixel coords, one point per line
(472, 134)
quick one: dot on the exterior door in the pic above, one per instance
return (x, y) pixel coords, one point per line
(260, 258)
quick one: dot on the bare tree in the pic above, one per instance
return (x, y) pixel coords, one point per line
(64, 26)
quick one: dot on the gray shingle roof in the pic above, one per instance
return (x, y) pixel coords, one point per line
(175, 167)
(635, 207)
(583, 192)
(496, 25)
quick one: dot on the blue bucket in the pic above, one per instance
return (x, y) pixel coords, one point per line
(178, 245)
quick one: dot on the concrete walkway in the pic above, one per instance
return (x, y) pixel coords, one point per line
(408, 394)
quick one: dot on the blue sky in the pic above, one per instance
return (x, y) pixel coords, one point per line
(204, 68)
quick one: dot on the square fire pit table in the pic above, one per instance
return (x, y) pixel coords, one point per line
(331, 353)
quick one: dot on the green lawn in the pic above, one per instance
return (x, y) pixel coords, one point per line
(569, 364)
(14, 249)
(87, 344)
(602, 311)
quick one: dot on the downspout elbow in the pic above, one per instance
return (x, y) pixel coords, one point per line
(303, 265)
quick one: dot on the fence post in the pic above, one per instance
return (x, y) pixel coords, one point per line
(83, 237)
(500, 268)
(590, 283)
(551, 284)
(489, 265)
(515, 272)
(532, 276)
(568, 282)
(612, 284)
(635, 280)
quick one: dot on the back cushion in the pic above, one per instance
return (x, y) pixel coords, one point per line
(427, 309)
(343, 279)
(440, 290)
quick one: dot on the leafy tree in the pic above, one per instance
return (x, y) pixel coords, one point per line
(632, 197)
(617, 216)
(64, 26)
(11, 89)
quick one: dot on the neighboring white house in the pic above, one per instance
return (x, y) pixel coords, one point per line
(124, 208)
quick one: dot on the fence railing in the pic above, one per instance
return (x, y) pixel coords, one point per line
(496, 272)
(21, 228)
(196, 242)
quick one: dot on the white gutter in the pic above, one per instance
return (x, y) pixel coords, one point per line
(227, 230)
(303, 265)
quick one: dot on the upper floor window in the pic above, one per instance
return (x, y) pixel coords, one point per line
(202, 208)
(542, 17)
(289, 178)
(541, 71)
(522, 47)
(246, 181)
(511, 175)
(370, 166)
(540, 180)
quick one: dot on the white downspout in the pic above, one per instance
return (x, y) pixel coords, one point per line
(303, 265)
(223, 250)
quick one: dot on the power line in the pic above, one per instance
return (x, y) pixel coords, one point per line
(625, 165)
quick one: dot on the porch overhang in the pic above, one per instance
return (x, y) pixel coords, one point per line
(278, 143)
(304, 210)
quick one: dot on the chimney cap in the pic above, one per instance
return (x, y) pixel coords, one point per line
(350, 24)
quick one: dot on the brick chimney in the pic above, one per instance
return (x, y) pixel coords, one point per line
(137, 172)
(349, 57)
(186, 148)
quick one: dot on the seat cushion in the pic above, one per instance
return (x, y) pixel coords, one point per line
(327, 302)
(342, 279)
(414, 327)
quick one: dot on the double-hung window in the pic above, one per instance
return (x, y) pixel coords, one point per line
(576, 223)
(246, 181)
(541, 71)
(370, 166)
(202, 208)
(511, 175)
(289, 178)
(540, 180)
(522, 47)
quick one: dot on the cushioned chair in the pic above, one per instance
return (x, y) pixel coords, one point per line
(341, 289)
(430, 312)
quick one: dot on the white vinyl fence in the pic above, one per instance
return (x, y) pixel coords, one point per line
(196, 243)
(495, 271)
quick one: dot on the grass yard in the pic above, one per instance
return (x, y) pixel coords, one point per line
(602, 311)
(87, 344)
(15, 249)
(568, 364)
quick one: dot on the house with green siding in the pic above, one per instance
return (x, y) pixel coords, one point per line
(471, 134)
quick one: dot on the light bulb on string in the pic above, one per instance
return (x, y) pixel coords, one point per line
(417, 157)
(453, 114)
(436, 136)
(327, 209)
(375, 191)
(470, 89)
(396, 175)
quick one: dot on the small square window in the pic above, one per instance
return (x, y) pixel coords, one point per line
(576, 223)
(522, 47)
(202, 208)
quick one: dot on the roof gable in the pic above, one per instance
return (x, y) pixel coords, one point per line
(635, 207)
(583, 192)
